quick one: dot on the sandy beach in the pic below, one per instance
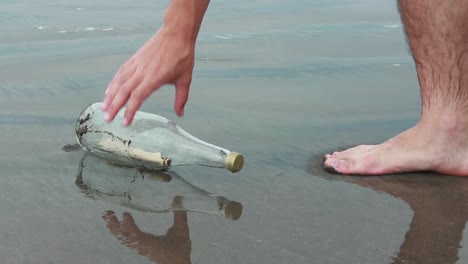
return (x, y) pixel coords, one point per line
(282, 83)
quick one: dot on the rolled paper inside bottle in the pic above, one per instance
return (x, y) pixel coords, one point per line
(120, 148)
(234, 162)
(154, 157)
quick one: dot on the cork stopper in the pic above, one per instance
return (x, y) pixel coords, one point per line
(234, 162)
(233, 210)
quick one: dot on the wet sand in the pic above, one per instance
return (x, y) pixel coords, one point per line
(272, 81)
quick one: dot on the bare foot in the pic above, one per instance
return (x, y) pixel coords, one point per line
(429, 146)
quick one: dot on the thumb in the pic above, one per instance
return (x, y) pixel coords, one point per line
(181, 96)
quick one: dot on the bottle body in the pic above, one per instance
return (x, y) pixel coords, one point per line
(151, 141)
(149, 191)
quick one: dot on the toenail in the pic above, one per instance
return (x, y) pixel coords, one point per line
(332, 162)
(335, 163)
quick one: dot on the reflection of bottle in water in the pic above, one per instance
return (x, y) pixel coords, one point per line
(151, 141)
(149, 191)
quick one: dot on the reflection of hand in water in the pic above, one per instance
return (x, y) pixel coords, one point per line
(174, 247)
(151, 191)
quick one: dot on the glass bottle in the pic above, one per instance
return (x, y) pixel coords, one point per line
(151, 141)
(149, 191)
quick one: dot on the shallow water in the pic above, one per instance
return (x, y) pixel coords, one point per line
(283, 83)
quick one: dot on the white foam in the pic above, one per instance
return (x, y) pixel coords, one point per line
(222, 37)
(392, 26)
(90, 29)
(41, 27)
(232, 36)
(79, 8)
(62, 31)
(396, 64)
(108, 29)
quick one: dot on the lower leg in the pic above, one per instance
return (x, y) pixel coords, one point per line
(438, 37)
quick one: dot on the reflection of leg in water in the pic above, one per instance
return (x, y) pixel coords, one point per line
(174, 247)
(440, 215)
(438, 37)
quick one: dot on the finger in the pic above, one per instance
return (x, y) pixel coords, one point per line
(181, 96)
(178, 202)
(130, 224)
(112, 223)
(137, 98)
(120, 78)
(180, 220)
(111, 84)
(108, 95)
(121, 97)
(107, 214)
(117, 103)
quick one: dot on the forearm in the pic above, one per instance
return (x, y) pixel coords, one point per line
(185, 17)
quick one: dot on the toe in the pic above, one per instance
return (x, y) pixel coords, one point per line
(339, 165)
(353, 153)
(362, 165)
(327, 156)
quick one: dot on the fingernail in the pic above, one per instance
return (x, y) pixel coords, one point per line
(107, 117)
(104, 105)
(125, 121)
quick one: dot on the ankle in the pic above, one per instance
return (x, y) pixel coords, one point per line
(445, 121)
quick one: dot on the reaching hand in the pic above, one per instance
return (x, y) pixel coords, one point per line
(167, 58)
